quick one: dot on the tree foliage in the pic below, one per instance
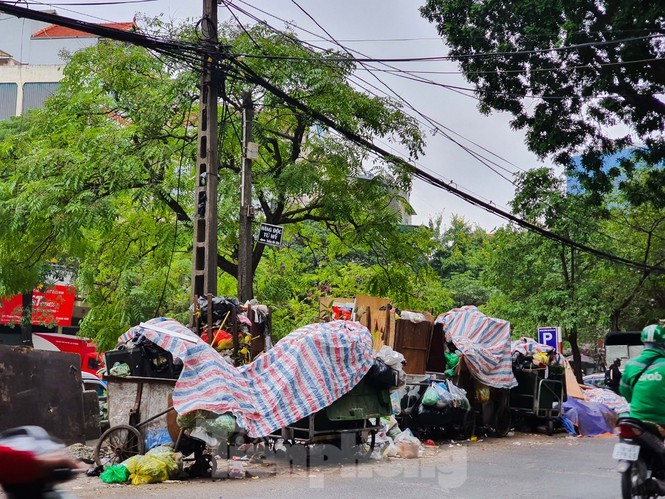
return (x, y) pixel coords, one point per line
(542, 283)
(459, 260)
(582, 78)
(101, 177)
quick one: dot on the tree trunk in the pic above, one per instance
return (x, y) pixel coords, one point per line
(577, 357)
(614, 320)
(26, 319)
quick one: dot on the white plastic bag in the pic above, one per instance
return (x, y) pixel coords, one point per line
(390, 357)
(408, 446)
(459, 396)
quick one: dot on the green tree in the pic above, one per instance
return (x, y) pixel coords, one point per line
(542, 282)
(570, 100)
(101, 177)
(460, 259)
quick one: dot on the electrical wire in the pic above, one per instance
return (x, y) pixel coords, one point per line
(426, 177)
(462, 56)
(252, 77)
(399, 97)
(85, 4)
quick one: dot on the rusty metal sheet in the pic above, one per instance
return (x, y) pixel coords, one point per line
(43, 388)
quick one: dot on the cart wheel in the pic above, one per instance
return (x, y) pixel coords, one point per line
(117, 444)
(550, 426)
(468, 425)
(203, 467)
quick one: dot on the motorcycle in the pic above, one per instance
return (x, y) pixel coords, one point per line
(36, 440)
(641, 456)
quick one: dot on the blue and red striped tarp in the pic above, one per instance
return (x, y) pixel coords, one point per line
(484, 342)
(306, 371)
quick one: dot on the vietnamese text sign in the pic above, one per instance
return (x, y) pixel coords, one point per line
(53, 306)
(271, 234)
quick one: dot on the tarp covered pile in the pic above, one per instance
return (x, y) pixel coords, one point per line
(306, 371)
(484, 342)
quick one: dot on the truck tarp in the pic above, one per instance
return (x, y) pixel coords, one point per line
(306, 371)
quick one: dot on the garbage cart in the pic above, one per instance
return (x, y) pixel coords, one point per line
(349, 423)
(539, 394)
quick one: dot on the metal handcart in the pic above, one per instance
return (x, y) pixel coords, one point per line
(346, 423)
(126, 437)
(539, 393)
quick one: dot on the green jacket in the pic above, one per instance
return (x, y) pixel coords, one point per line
(646, 395)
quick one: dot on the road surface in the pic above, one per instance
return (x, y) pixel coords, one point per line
(519, 466)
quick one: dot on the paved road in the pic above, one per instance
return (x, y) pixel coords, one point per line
(528, 466)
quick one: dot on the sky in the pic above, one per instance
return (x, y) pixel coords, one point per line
(389, 29)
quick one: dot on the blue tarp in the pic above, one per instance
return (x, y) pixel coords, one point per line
(590, 418)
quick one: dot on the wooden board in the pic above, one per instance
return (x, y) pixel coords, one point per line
(374, 303)
(412, 339)
(572, 386)
(436, 360)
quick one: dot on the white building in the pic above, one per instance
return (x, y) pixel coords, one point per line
(32, 60)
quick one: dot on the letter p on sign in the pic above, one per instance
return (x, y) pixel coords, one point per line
(548, 336)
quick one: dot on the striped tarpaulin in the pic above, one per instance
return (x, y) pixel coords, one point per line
(306, 371)
(484, 342)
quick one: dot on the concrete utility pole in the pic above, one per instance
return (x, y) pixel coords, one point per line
(245, 241)
(204, 269)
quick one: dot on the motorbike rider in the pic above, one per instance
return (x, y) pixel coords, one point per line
(18, 466)
(643, 383)
(643, 379)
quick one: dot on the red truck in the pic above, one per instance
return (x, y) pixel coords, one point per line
(91, 361)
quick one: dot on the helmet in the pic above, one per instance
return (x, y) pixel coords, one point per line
(653, 334)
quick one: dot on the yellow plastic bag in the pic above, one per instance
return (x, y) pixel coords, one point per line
(541, 359)
(146, 469)
(482, 392)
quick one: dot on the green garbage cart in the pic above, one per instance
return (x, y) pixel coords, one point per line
(539, 393)
(350, 422)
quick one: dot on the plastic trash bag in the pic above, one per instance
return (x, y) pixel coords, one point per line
(459, 396)
(430, 397)
(221, 426)
(391, 357)
(156, 466)
(438, 395)
(482, 392)
(395, 402)
(120, 370)
(452, 359)
(115, 474)
(408, 446)
(156, 437)
(381, 375)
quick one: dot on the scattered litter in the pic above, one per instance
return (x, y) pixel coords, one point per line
(236, 469)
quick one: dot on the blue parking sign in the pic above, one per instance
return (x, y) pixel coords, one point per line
(548, 336)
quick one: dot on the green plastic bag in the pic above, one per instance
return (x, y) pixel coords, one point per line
(115, 474)
(452, 359)
(221, 426)
(431, 396)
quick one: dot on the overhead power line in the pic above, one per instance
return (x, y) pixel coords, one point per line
(465, 56)
(250, 75)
